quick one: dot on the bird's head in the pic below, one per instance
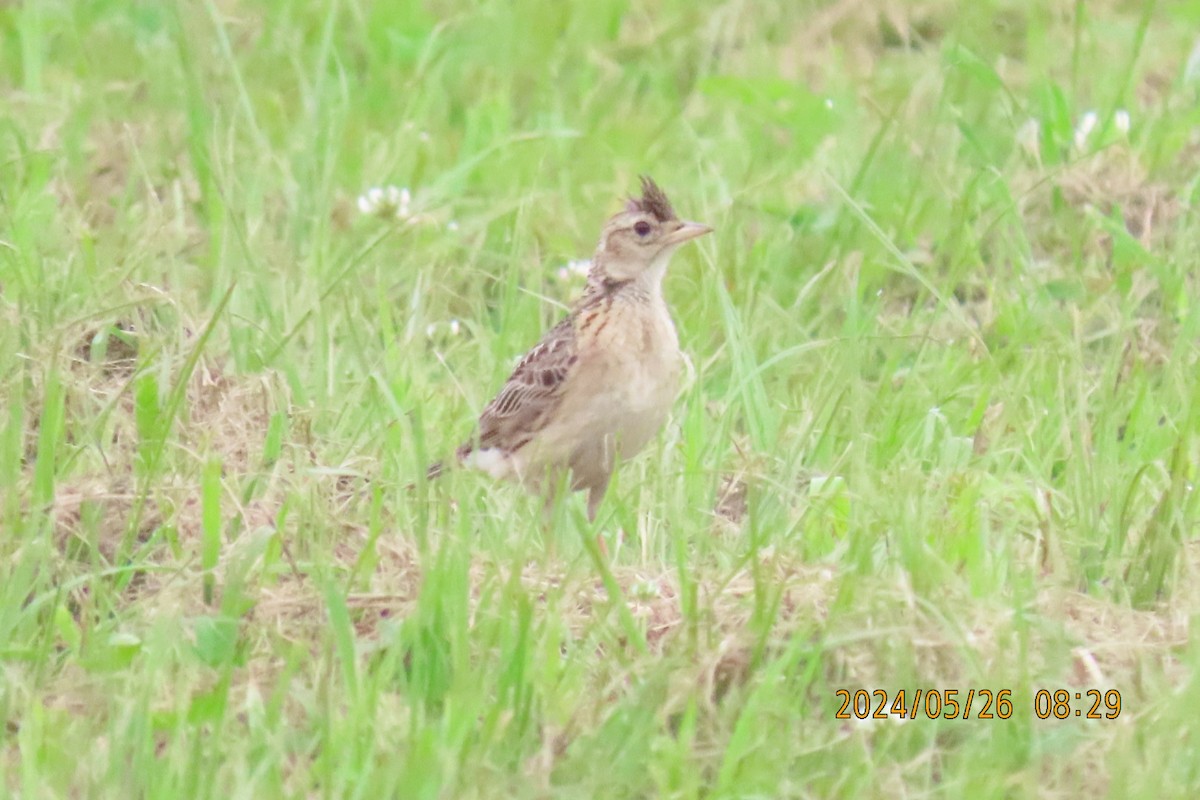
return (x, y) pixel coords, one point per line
(638, 242)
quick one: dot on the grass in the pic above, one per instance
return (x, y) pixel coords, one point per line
(941, 435)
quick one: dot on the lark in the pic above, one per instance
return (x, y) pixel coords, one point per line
(600, 383)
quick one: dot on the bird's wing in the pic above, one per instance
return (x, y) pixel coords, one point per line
(530, 396)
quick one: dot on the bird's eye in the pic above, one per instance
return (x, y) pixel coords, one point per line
(642, 228)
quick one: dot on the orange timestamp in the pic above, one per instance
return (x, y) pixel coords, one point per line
(975, 703)
(933, 703)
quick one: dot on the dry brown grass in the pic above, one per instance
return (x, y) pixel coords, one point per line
(1111, 181)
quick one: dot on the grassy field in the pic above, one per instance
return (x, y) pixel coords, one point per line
(942, 431)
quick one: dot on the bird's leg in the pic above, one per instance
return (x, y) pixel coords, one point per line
(551, 514)
(595, 495)
(556, 487)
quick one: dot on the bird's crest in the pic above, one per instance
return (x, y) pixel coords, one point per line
(653, 201)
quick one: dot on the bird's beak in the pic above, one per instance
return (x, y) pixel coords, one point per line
(686, 232)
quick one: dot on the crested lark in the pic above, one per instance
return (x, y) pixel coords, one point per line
(599, 384)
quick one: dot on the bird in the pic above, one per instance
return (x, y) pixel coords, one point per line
(600, 384)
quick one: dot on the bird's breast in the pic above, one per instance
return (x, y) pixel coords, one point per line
(630, 371)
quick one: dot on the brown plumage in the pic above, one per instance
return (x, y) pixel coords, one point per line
(601, 382)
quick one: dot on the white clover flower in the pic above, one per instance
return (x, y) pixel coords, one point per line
(368, 201)
(573, 269)
(452, 327)
(1029, 138)
(452, 225)
(1191, 70)
(1121, 121)
(1083, 130)
(386, 202)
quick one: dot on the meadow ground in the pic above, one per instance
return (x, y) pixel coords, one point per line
(941, 435)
